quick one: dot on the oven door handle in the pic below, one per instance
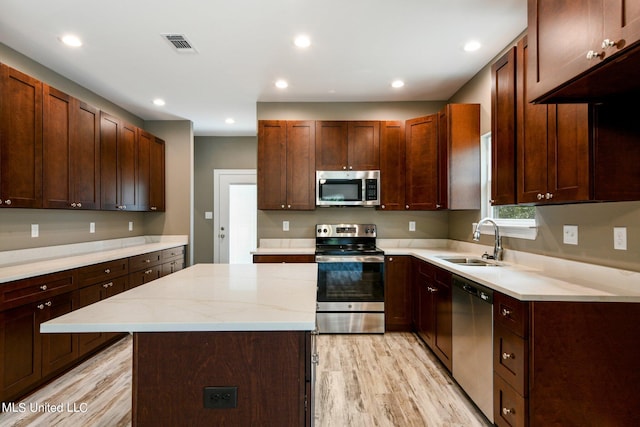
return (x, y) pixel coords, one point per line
(350, 258)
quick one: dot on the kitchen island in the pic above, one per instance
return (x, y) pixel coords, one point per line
(215, 344)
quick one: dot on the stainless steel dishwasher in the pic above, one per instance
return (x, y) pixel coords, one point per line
(472, 342)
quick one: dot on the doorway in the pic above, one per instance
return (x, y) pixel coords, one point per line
(235, 224)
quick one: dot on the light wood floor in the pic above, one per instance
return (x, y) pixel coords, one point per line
(362, 380)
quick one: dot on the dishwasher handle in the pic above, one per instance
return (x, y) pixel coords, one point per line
(473, 288)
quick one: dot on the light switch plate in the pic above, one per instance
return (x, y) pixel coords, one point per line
(412, 226)
(92, 227)
(570, 235)
(35, 230)
(130, 225)
(285, 225)
(208, 215)
(620, 238)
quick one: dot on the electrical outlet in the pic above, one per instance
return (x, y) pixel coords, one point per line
(208, 215)
(130, 225)
(285, 225)
(220, 397)
(412, 226)
(35, 230)
(570, 234)
(620, 238)
(92, 227)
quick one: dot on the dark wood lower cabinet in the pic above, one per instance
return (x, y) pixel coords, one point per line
(29, 358)
(397, 293)
(303, 258)
(269, 370)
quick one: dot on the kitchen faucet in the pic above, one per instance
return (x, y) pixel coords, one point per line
(497, 246)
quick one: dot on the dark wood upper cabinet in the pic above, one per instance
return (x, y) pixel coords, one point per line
(71, 152)
(286, 165)
(347, 145)
(392, 165)
(421, 163)
(583, 49)
(118, 159)
(503, 129)
(144, 169)
(459, 157)
(157, 175)
(552, 145)
(20, 139)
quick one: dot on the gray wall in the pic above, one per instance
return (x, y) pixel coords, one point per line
(215, 153)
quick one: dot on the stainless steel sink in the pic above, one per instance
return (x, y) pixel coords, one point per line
(470, 261)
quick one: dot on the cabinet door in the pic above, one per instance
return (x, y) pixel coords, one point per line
(71, 152)
(569, 171)
(425, 289)
(422, 163)
(397, 293)
(20, 349)
(272, 164)
(109, 139)
(531, 137)
(392, 165)
(364, 145)
(20, 139)
(89, 341)
(503, 129)
(58, 350)
(144, 169)
(157, 175)
(561, 33)
(85, 158)
(127, 167)
(300, 154)
(332, 150)
(622, 22)
(443, 306)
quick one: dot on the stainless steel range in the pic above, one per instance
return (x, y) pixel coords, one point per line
(350, 279)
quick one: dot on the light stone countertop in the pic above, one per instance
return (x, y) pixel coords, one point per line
(25, 263)
(524, 276)
(206, 297)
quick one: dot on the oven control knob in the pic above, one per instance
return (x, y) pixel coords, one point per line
(325, 231)
(319, 230)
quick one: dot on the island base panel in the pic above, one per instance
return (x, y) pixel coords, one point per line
(172, 369)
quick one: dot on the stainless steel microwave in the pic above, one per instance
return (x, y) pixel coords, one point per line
(348, 188)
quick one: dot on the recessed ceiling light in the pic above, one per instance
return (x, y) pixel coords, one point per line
(71, 40)
(282, 84)
(230, 121)
(302, 41)
(159, 102)
(397, 83)
(472, 46)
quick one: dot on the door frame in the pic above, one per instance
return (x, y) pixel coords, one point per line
(217, 176)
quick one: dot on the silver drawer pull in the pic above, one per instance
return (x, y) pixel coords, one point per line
(43, 287)
(148, 271)
(506, 312)
(107, 285)
(107, 271)
(508, 411)
(48, 303)
(506, 356)
(40, 306)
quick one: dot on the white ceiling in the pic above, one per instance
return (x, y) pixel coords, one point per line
(244, 46)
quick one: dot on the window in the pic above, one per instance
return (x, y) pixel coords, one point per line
(514, 221)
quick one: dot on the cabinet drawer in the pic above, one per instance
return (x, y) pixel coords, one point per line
(102, 272)
(172, 253)
(511, 358)
(171, 267)
(145, 260)
(257, 259)
(511, 313)
(509, 408)
(25, 291)
(141, 277)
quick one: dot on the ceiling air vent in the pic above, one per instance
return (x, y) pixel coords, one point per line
(179, 43)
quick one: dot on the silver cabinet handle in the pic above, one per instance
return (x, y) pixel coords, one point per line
(507, 356)
(107, 271)
(431, 289)
(148, 271)
(540, 196)
(406, 207)
(506, 312)
(607, 43)
(79, 204)
(40, 306)
(107, 285)
(508, 411)
(549, 196)
(344, 168)
(7, 202)
(43, 287)
(592, 54)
